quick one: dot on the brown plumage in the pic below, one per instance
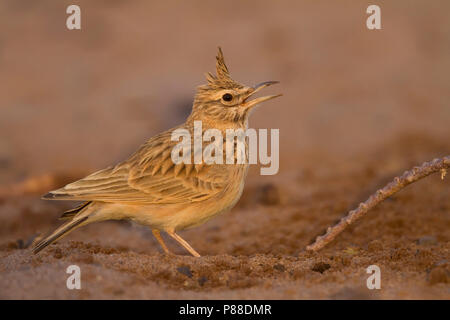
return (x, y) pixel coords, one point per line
(151, 189)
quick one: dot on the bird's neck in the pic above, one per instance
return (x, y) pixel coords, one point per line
(219, 118)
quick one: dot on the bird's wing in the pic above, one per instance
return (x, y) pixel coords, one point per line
(148, 177)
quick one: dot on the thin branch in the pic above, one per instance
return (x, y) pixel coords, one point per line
(408, 177)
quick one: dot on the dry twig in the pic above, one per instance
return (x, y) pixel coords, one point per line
(408, 177)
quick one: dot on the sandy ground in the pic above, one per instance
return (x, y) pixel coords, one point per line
(359, 108)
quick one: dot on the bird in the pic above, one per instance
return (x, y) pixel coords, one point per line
(149, 188)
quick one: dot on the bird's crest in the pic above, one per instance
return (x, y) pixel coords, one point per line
(222, 80)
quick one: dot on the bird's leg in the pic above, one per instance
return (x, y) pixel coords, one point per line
(158, 237)
(183, 243)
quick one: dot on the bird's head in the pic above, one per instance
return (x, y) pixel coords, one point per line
(225, 99)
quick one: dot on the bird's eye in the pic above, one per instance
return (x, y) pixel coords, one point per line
(227, 97)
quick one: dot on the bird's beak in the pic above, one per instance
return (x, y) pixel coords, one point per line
(255, 89)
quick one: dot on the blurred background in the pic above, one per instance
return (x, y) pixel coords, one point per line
(359, 106)
(89, 98)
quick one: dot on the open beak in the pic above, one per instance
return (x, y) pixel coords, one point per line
(255, 89)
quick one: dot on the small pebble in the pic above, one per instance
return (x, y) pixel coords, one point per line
(321, 267)
(185, 270)
(270, 195)
(202, 281)
(279, 267)
(426, 240)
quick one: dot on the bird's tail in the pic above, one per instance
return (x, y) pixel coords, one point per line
(78, 220)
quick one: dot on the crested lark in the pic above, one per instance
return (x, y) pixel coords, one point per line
(151, 189)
